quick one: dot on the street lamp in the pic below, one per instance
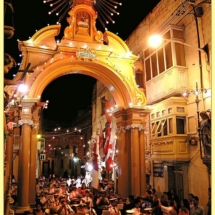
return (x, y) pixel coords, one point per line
(156, 40)
(196, 92)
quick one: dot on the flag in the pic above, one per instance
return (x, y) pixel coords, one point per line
(95, 171)
(110, 151)
(101, 144)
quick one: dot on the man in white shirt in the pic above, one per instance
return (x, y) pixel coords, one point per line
(78, 182)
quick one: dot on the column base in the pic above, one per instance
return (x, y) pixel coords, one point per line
(22, 209)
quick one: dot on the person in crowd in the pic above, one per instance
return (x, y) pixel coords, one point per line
(57, 182)
(183, 211)
(64, 208)
(129, 204)
(167, 210)
(102, 200)
(74, 194)
(103, 173)
(136, 208)
(153, 191)
(156, 208)
(14, 192)
(88, 179)
(148, 196)
(148, 187)
(82, 189)
(197, 209)
(39, 187)
(38, 210)
(91, 210)
(69, 180)
(102, 203)
(13, 179)
(43, 199)
(114, 209)
(176, 206)
(87, 199)
(54, 204)
(173, 195)
(77, 182)
(82, 208)
(53, 189)
(191, 200)
(185, 204)
(144, 204)
(209, 202)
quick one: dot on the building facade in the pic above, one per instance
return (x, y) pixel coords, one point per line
(176, 77)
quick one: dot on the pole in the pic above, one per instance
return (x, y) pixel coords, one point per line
(197, 110)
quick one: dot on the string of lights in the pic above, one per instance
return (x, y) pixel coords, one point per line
(105, 9)
(65, 132)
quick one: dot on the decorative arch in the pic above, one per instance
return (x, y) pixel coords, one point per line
(100, 72)
(111, 62)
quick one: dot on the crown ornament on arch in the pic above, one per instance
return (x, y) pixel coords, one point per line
(105, 9)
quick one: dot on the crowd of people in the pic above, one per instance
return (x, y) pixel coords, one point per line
(60, 195)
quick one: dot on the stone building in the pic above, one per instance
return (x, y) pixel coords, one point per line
(176, 77)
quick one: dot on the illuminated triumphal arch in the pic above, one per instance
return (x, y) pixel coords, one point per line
(104, 56)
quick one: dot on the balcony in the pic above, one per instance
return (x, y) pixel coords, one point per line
(170, 148)
(170, 83)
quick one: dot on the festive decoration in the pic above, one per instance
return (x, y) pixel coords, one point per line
(95, 171)
(105, 9)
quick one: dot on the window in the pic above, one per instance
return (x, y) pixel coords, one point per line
(139, 79)
(157, 61)
(170, 120)
(163, 112)
(179, 51)
(180, 124)
(102, 106)
(165, 126)
(169, 110)
(161, 61)
(168, 55)
(191, 125)
(148, 69)
(154, 65)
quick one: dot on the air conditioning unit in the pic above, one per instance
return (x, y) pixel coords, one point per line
(42, 157)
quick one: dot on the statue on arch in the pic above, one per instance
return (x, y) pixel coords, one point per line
(205, 132)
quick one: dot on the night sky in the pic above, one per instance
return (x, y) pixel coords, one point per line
(68, 93)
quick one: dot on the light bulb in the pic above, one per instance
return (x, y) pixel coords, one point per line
(155, 41)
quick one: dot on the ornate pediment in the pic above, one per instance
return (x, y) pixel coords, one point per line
(82, 27)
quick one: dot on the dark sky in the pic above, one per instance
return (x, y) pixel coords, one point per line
(72, 92)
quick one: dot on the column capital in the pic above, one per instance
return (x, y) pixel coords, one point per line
(132, 126)
(26, 121)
